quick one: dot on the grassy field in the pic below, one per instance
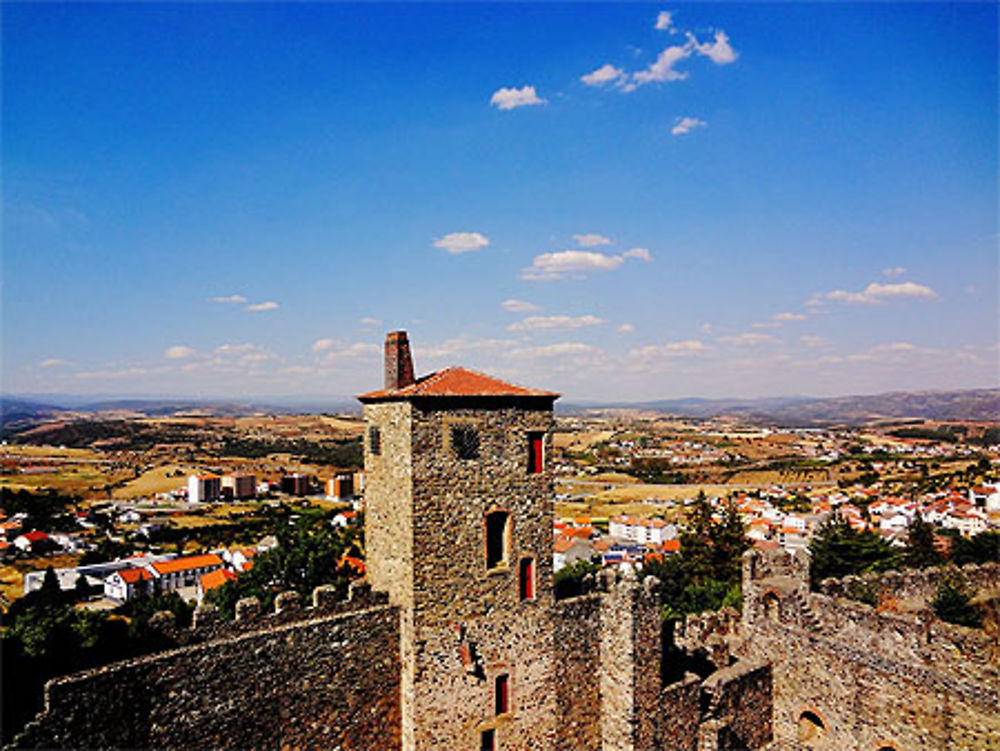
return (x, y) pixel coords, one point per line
(581, 440)
(159, 480)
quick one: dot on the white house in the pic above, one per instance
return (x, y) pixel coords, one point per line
(640, 530)
(178, 573)
(568, 550)
(123, 585)
(985, 496)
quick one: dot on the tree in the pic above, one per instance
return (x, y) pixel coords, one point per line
(308, 555)
(568, 581)
(839, 550)
(981, 548)
(706, 574)
(953, 602)
(920, 550)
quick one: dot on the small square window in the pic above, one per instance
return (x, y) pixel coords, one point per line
(374, 440)
(465, 441)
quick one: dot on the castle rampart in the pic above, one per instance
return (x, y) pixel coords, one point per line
(320, 677)
(847, 676)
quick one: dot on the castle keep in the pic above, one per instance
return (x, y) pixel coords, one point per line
(455, 640)
(458, 531)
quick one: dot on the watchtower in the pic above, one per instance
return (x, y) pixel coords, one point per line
(458, 529)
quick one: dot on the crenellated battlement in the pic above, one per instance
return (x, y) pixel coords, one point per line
(261, 681)
(852, 675)
(207, 625)
(910, 588)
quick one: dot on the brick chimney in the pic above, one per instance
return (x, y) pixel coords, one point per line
(398, 364)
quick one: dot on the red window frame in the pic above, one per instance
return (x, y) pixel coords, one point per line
(526, 579)
(501, 693)
(536, 453)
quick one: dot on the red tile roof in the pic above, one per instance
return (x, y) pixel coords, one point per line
(186, 564)
(452, 382)
(216, 578)
(132, 575)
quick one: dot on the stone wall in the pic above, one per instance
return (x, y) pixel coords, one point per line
(915, 587)
(578, 684)
(321, 677)
(736, 705)
(847, 676)
(611, 690)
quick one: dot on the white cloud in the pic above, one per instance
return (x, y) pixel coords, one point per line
(549, 266)
(784, 317)
(664, 21)
(111, 374)
(518, 306)
(684, 125)
(590, 240)
(540, 323)
(553, 350)
(337, 351)
(322, 345)
(253, 357)
(876, 293)
(261, 306)
(230, 299)
(179, 352)
(462, 242)
(605, 74)
(369, 321)
(298, 370)
(625, 328)
(461, 345)
(719, 51)
(54, 362)
(765, 325)
(748, 339)
(812, 341)
(683, 348)
(642, 254)
(234, 349)
(508, 99)
(663, 68)
(900, 289)
(894, 271)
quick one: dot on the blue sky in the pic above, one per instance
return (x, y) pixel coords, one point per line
(751, 199)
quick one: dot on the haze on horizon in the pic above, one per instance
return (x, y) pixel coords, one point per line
(618, 202)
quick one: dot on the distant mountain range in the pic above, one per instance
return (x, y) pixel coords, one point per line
(971, 405)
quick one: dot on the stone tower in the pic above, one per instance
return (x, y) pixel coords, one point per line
(458, 528)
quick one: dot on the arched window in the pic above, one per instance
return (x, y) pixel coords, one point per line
(811, 726)
(772, 607)
(497, 538)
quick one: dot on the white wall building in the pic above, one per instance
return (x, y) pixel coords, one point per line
(203, 488)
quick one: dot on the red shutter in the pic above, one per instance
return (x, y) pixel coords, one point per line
(527, 579)
(502, 698)
(536, 454)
